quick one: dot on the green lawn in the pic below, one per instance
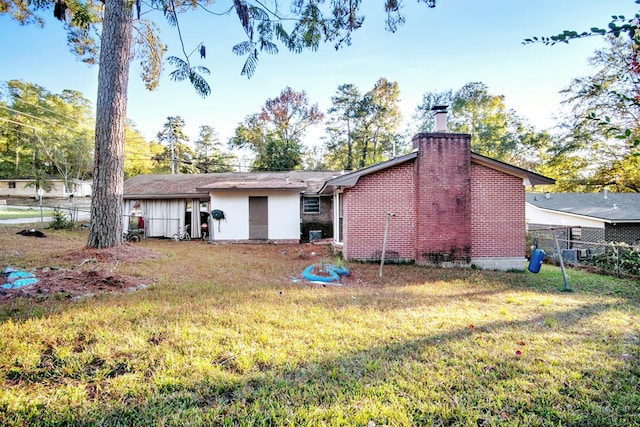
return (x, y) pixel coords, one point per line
(228, 337)
(13, 213)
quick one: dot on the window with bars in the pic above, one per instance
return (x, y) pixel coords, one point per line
(311, 205)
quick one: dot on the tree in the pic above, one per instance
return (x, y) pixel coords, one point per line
(177, 154)
(275, 134)
(45, 134)
(377, 133)
(618, 26)
(343, 115)
(363, 129)
(496, 131)
(209, 153)
(602, 121)
(309, 25)
(423, 115)
(139, 154)
(486, 118)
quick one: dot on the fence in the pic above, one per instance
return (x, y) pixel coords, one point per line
(616, 258)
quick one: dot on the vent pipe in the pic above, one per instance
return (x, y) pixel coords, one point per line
(440, 113)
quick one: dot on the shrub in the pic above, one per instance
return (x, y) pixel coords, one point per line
(629, 259)
(60, 220)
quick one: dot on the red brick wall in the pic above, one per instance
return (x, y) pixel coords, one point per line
(364, 214)
(443, 198)
(498, 219)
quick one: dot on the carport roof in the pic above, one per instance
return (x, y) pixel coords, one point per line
(199, 185)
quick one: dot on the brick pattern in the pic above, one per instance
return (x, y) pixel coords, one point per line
(365, 213)
(322, 221)
(498, 220)
(628, 233)
(447, 211)
(444, 198)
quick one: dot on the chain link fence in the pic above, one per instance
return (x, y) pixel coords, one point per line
(619, 258)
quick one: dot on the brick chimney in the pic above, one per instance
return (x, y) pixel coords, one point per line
(443, 198)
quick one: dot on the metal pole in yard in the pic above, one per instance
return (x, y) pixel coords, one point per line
(384, 243)
(567, 286)
(40, 194)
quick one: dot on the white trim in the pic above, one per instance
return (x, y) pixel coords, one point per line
(537, 215)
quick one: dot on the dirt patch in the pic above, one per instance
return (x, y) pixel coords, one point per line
(89, 272)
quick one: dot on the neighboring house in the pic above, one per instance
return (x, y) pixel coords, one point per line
(588, 217)
(27, 188)
(445, 206)
(264, 206)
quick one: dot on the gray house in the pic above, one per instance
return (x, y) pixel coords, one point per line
(593, 217)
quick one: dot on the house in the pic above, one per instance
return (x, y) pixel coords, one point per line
(444, 206)
(588, 217)
(26, 188)
(261, 206)
(438, 205)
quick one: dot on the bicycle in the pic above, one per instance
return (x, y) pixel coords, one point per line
(132, 236)
(182, 234)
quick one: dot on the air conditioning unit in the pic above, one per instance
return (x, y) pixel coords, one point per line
(570, 255)
(315, 235)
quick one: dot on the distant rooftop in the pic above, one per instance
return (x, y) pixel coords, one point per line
(611, 207)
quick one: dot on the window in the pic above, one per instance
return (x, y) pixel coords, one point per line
(576, 233)
(12, 184)
(311, 205)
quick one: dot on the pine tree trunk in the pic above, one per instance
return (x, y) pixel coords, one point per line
(111, 114)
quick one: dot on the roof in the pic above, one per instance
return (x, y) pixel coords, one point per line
(530, 178)
(350, 179)
(199, 185)
(610, 207)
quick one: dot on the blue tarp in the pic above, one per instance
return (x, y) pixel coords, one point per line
(13, 279)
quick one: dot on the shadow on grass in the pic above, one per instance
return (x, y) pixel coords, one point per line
(373, 384)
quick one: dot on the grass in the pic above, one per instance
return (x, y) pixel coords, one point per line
(227, 337)
(14, 213)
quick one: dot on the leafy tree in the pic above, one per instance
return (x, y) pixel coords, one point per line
(377, 133)
(309, 24)
(45, 134)
(496, 131)
(177, 154)
(605, 94)
(363, 129)
(423, 115)
(630, 69)
(314, 158)
(275, 134)
(209, 153)
(139, 154)
(343, 119)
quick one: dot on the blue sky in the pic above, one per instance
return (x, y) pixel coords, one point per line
(437, 49)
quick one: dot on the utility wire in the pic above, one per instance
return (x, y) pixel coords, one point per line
(39, 118)
(46, 109)
(21, 124)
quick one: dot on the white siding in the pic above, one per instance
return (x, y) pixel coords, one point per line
(284, 216)
(27, 188)
(535, 215)
(283, 208)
